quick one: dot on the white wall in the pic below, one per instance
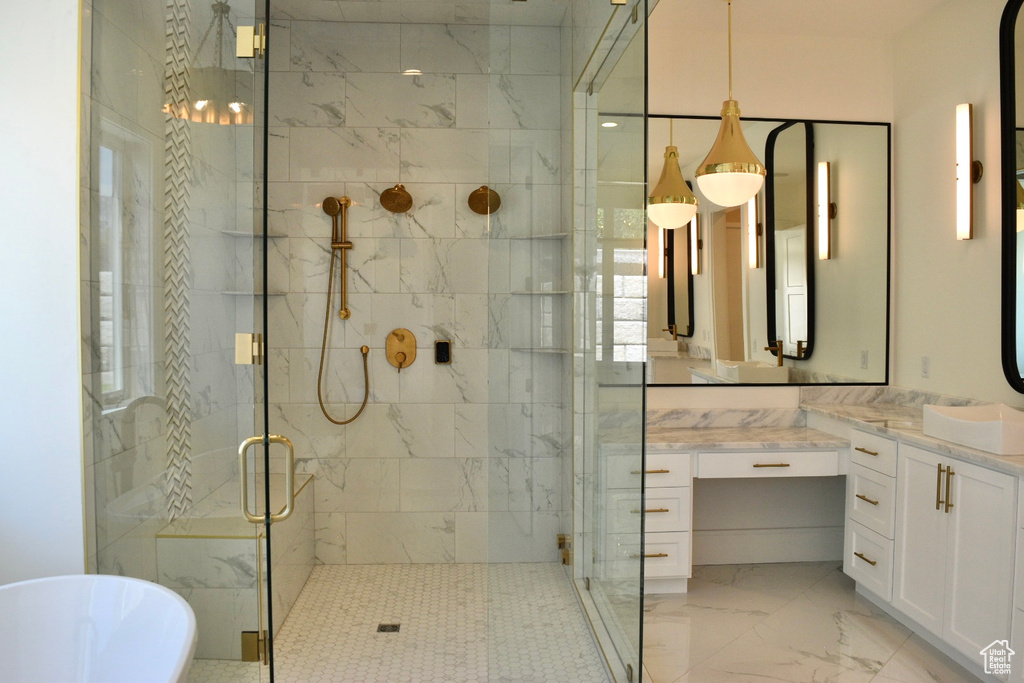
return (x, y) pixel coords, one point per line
(946, 294)
(41, 518)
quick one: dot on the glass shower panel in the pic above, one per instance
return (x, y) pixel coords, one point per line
(615, 346)
(170, 249)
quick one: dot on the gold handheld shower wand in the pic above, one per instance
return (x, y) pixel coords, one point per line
(335, 207)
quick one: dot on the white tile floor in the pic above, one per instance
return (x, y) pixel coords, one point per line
(782, 622)
(459, 623)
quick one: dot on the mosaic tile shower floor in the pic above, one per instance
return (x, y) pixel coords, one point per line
(462, 623)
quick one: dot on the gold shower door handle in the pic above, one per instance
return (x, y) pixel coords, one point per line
(289, 478)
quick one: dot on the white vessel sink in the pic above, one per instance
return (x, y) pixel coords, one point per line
(993, 428)
(751, 371)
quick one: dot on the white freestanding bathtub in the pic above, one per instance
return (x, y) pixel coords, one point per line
(94, 629)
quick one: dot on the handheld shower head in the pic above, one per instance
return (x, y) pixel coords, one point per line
(332, 206)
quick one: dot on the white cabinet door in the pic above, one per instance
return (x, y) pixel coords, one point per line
(919, 585)
(979, 564)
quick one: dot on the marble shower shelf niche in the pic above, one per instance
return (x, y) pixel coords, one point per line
(549, 236)
(242, 233)
(523, 292)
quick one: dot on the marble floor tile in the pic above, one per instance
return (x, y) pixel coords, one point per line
(781, 622)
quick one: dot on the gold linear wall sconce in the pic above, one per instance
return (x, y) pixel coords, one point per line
(484, 201)
(696, 245)
(335, 207)
(825, 212)
(753, 235)
(968, 171)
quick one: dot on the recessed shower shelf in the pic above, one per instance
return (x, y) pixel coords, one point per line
(523, 292)
(239, 293)
(242, 233)
(551, 236)
(539, 349)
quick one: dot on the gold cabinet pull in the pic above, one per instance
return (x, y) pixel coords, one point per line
(871, 562)
(938, 487)
(637, 512)
(637, 557)
(771, 464)
(949, 491)
(650, 472)
(864, 450)
(866, 499)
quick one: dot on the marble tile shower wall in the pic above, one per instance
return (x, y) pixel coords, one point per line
(126, 428)
(448, 463)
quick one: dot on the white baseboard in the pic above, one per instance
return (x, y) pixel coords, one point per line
(755, 546)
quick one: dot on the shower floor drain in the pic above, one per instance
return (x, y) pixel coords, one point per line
(388, 628)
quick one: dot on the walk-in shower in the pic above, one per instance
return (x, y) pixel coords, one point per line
(475, 330)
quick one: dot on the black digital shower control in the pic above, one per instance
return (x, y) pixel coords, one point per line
(443, 352)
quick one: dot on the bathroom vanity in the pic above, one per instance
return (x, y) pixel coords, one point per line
(932, 531)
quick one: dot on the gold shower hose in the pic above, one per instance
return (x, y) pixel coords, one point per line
(323, 353)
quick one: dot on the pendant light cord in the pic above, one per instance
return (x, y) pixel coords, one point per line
(730, 49)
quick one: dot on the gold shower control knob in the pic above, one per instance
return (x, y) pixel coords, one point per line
(400, 348)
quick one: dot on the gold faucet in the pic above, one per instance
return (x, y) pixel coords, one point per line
(777, 349)
(801, 347)
(674, 330)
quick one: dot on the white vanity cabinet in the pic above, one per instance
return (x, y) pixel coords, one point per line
(954, 548)
(870, 512)
(667, 521)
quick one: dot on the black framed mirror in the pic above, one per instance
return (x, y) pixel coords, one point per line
(1011, 54)
(679, 292)
(789, 238)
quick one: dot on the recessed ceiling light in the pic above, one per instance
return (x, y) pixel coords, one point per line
(609, 124)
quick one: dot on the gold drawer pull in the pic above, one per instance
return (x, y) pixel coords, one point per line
(637, 512)
(651, 472)
(861, 556)
(866, 499)
(771, 464)
(864, 450)
(637, 557)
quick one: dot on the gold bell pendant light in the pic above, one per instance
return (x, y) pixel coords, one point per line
(731, 174)
(671, 203)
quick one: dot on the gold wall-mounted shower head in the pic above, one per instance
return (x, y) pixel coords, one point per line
(484, 200)
(396, 199)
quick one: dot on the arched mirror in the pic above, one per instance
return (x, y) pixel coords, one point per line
(788, 237)
(1011, 61)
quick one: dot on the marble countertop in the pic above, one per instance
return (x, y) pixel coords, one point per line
(741, 438)
(906, 423)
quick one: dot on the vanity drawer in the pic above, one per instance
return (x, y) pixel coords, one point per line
(668, 509)
(667, 469)
(873, 451)
(729, 465)
(667, 554)
(871, 499)
(867, 559)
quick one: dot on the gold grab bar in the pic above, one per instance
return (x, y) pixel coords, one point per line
(866, 499)
(949, 492)
(871, 562)
(650, 472)
(289, 478)
(864, 450)
(771, 464)
(938, 487)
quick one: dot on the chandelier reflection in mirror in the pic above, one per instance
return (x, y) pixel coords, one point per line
(217, 93)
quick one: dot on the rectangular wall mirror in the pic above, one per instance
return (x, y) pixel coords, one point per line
(746, 278)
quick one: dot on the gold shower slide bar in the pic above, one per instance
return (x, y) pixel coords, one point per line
(335, 207)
